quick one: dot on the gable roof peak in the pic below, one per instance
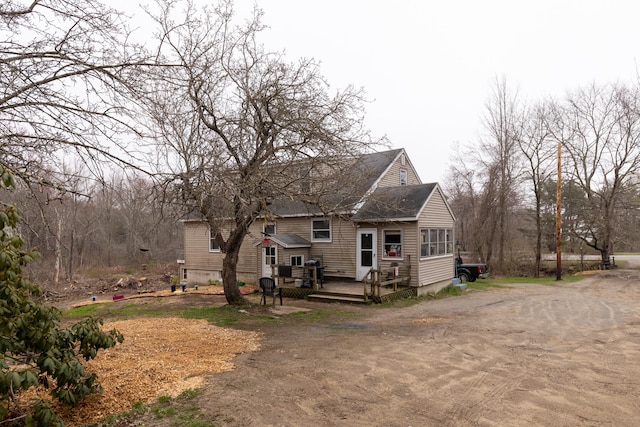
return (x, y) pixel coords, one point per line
(403, 202)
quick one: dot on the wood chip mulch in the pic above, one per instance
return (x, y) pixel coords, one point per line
(160, 356)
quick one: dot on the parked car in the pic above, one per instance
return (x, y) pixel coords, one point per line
(470, 272)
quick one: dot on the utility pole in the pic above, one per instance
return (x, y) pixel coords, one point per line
(559, 216)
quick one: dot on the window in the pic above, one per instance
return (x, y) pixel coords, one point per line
(392, 243)
(184, 274)
(436, 241)
(296, 260)
(403, 177)
(214, 245)
(433, 242)
(442, 247)
(321, 230)
(270, 255)
(269, 229)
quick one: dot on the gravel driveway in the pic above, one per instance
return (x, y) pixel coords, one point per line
(557, 355)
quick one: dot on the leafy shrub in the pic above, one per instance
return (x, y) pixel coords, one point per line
(34, 348)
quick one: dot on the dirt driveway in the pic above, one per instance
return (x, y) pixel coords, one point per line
(561, 355)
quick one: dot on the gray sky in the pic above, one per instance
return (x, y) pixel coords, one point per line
(428, 66)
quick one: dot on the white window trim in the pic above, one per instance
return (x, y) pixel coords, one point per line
(209, 244)
(406, 177)
(446, 246)
(330, 230)
(402, 245)
(296, 256)
(275, 228)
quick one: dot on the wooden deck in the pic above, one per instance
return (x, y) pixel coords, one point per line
(379, 285)
(347, 291)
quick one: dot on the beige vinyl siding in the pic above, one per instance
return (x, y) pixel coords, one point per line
(392, 177)
(283, 226)
(338, 256)
(434, 215)
(409, 255)
(434, 270)
(409, 242)
(410, 238)
(284, 257)
(196, 248)
(298, 225)
(202, 264)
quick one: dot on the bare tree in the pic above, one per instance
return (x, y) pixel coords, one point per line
(464, 188)
(484, 189)
(64, 67)
(501, 165)
(538, 148)
(243, 129)
(628, 220)
(95, 224)
(604, 153)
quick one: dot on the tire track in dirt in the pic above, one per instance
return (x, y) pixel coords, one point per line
(530, 355)
(555, 320)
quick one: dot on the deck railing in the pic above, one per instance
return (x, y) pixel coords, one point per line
(309, 273)
(375, 280)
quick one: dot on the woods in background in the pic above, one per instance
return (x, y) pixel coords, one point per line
(503, 189)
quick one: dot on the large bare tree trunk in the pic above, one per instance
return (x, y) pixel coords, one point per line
(231, 250)
(230, 279)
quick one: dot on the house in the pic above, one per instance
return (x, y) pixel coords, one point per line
(393, 220)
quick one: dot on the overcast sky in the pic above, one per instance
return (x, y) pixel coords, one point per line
(428, 66)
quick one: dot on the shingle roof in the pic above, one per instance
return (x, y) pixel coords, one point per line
(371, 166)
(286, 208)
(364, 172)
(288, 240)
(395, 203)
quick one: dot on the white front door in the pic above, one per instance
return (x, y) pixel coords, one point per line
(269, 258)
(366, 251)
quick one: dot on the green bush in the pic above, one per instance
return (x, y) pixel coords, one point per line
(33, 346)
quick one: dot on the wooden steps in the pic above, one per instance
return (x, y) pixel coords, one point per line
(321, 296)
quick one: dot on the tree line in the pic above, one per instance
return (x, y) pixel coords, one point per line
(504, 189)
(117, 221)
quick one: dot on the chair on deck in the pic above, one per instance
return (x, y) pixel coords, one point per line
(269, 289)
